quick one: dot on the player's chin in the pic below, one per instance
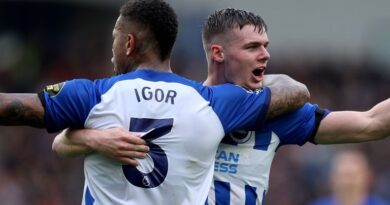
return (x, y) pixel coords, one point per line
(254, 85)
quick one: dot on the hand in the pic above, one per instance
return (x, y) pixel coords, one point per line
(118, 144)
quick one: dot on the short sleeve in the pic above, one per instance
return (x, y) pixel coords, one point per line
(238, 108)
(68, 104)
(297, 127)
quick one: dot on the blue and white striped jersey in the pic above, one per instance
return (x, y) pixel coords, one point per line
(243, 160)
(182, 121)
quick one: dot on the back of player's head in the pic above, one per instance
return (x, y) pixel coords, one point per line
(221, 21)
(158, 18)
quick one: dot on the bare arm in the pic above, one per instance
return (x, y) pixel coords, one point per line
(21, 109)
(351, 126)
(64, 147)
(116, 143)
(286, 94)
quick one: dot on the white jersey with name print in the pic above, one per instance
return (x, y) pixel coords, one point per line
(243, 160)
(182, 122)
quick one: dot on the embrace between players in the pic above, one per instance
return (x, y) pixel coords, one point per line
(177, 125)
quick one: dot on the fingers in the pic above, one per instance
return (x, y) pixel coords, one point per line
(134, 138)
(129, 161)
(132, 154)
(139, 148)
(127, 136)
(130, 158)
(124, 147)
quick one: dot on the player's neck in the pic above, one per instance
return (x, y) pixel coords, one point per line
(215, 75)
(164, 66)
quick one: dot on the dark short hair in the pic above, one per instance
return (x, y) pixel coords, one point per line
(226, 19)
(158, 17)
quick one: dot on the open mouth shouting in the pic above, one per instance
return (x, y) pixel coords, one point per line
(258, 73)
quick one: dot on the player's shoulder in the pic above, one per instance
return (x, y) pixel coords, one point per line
(68, 86)
(233, 91)
(302, 113)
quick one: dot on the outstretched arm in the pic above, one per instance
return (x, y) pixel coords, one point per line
(116, 143)
(21, 109)
(351, 126)
(286, 94)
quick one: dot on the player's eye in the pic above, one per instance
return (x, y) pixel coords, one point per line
(251, 47)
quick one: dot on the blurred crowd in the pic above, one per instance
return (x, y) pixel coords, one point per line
(41, 44)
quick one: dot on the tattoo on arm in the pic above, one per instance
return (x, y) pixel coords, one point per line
(286, 95)
(21, 109)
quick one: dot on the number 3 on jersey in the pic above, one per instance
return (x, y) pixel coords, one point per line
(156, 128)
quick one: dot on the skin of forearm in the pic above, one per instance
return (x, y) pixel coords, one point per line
(286, 94)
(70, 147)
(353, 127)
(21, 109)
(116, 143)
(380, 120)
(343, 127)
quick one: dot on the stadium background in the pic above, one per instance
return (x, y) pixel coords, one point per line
(340, 49)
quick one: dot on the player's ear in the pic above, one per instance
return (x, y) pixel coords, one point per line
(130, 44)
(217, 53)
